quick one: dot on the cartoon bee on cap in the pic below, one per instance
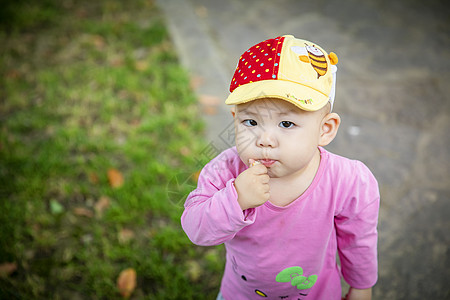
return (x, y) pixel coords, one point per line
(314, 56)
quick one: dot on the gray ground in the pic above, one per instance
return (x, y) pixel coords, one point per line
(392, 94)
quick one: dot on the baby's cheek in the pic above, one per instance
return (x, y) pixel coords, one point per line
(244, 153)
(244, 158)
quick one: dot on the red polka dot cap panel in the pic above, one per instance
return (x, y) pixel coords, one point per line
(285, 68)
(260, 62)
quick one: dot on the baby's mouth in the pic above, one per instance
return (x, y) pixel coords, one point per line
(267, 162)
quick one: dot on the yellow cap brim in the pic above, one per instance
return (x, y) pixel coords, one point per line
(302, 96)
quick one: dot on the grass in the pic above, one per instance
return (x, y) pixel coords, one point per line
(88, 87)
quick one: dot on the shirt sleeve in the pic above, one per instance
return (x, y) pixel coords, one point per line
(212, 214)
(356, 229)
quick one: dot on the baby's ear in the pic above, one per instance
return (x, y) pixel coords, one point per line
(233, 111)
(329, 128)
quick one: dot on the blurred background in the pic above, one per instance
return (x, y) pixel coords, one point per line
(108, 110)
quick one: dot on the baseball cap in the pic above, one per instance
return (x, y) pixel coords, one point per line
(287, 68)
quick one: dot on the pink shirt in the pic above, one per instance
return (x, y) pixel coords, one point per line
(289, 252)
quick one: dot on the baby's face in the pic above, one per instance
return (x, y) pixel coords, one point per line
(278, 134)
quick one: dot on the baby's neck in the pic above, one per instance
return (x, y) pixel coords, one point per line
(286, 190)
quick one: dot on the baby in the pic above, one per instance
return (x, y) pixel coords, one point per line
(283, 205)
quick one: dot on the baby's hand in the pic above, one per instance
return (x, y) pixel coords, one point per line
(252, 186)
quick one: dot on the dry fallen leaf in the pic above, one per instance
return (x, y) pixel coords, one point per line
(135, 122)
(196, 175)
(81, 211)
(201, 11)
(141, 65)
(7, 268)
(209, 100)
(210, 110)
(209, 104)
(93, 178)
(116, 61)
(125, 235)
(126, 283)
(98, 41)
(185, 151)
(196, 82)
(101, 205)
(13, 74)
(115, 178)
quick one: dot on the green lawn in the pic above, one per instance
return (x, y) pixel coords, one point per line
(87, 88)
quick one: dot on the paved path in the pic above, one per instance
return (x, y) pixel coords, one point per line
(392, 94)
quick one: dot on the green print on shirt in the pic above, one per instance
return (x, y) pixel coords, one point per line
(294, 275)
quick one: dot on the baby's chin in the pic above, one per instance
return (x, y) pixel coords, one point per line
(272, 173)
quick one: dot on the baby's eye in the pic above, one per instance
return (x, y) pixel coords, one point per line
(250, 123)
(286, 124)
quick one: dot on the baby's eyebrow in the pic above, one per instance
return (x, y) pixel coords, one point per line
(284, 113)
(247, 112)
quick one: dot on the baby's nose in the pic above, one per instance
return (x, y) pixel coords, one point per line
(267, 139)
